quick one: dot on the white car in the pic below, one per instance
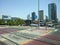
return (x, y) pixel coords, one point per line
(50, 25)
(35, 25)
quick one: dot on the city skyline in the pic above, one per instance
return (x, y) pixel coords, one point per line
(21, 8)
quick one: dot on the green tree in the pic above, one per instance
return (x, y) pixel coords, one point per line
(20, 22)
(15, 22)
(2, 22)
(10, 22)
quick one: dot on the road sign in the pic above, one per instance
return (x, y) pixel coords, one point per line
(35, 17)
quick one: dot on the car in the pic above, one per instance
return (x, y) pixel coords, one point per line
(50, 25)
(35, 25)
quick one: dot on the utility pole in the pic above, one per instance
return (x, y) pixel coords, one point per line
(38, 13)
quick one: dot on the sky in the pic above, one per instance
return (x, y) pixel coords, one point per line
(22, 8)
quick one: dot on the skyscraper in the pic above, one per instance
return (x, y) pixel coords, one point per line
(41, 14)
(33, 16)
(52, 12)
(28, 17)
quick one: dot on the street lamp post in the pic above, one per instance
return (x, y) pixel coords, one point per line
(38, 13)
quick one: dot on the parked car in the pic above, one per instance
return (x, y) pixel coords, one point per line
(50, 25)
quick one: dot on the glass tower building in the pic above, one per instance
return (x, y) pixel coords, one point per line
(41, 15)
(52, 12)
(33, 16)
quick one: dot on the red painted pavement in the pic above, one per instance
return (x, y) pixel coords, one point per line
(53, 37)
(6, 30)
(36, 43)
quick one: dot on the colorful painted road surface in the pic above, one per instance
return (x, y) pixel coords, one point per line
(30, 37)
(7, 30)
(50, 39)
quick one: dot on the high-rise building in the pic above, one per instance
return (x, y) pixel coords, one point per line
(33, 16)
(41, 15)
(28, 17)
(52, 12)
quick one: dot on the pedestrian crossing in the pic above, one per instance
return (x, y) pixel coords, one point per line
(32, 38)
